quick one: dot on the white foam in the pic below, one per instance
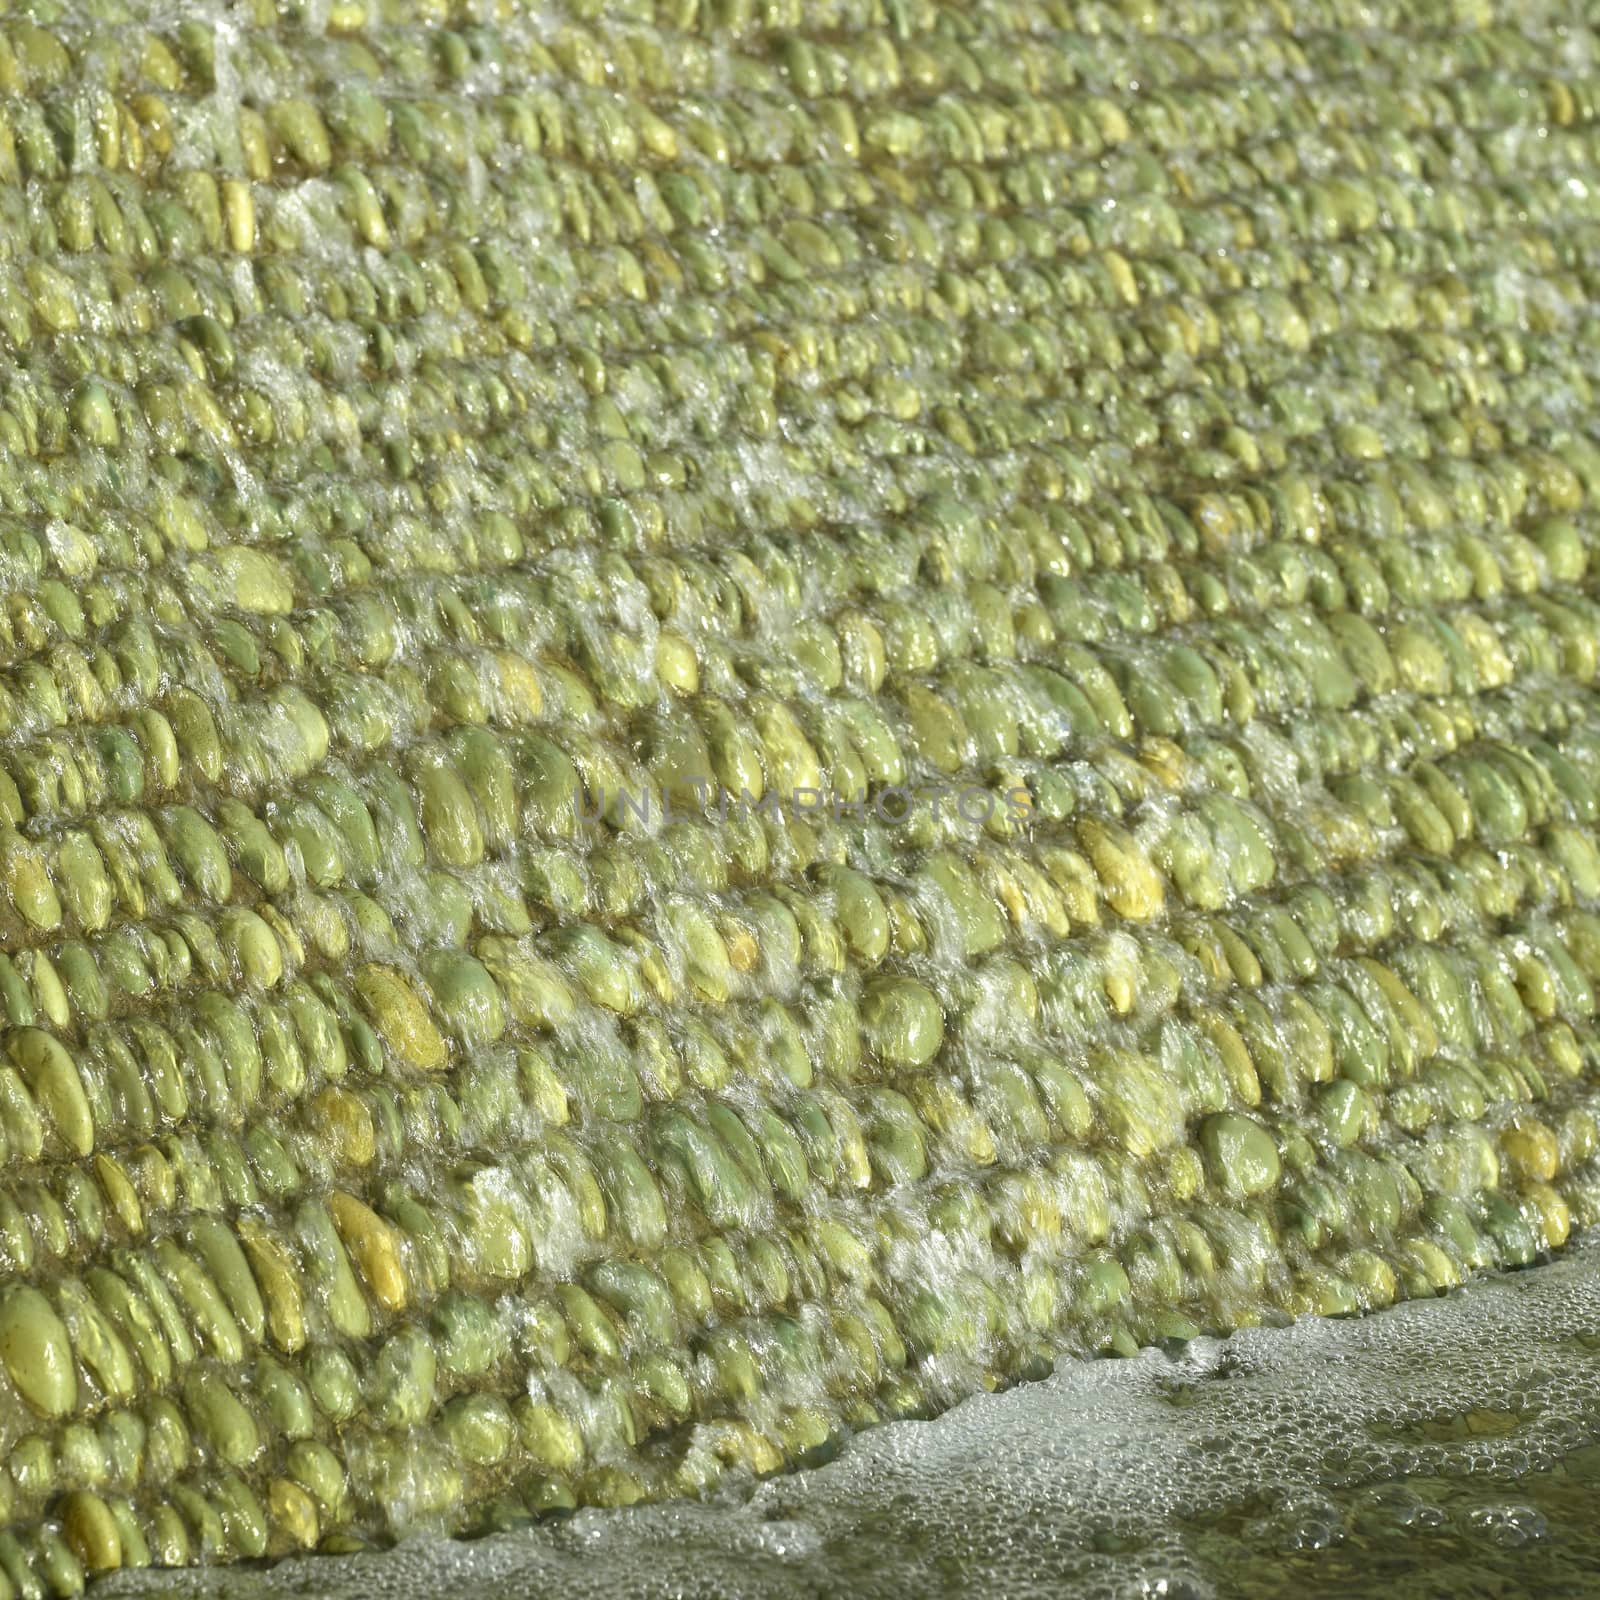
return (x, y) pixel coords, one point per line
(1110, 1478)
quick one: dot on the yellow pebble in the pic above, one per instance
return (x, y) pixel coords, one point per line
(401, 1019)
(1530, 1150)
(293, 1512)
(1131, 885)
(373, 1247)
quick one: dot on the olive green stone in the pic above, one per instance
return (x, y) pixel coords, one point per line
(1240, 1155)
(902, 1021)
(955, 726)
(51, 1074)
(91, 1531)
(36, 1351)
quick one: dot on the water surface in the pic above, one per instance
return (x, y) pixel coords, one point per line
(1445, 1448)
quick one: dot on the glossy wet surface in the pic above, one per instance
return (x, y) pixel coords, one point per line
(440, 440)
(1447, 1448)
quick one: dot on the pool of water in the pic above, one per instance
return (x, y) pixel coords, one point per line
(1445, 1448)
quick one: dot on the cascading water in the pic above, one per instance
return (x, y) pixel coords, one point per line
(722, 721)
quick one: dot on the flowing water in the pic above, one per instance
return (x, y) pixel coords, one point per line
(1445, 1450)
(437, 434)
